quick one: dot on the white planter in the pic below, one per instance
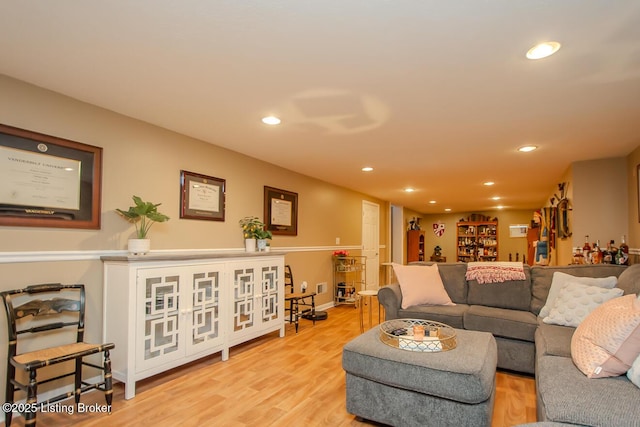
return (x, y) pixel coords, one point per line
(250, 245)
(139, 246)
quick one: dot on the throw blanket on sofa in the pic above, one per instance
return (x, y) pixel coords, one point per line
(495, 272)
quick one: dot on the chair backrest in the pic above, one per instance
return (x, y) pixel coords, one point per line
(48, 314)
(288, 280)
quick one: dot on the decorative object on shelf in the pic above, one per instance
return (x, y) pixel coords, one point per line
(437, 251)
(255, 234)
(341, 255)
(71, 171)
(143, 215)
(201, 196)
(281, 211)
(414, 224)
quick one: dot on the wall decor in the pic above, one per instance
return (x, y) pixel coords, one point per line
(46, 181)
(201, 196)
(281, 211)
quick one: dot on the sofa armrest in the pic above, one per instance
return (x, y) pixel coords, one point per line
(390, 297)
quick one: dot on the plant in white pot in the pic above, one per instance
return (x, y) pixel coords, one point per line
(254, 233)
(143, 215)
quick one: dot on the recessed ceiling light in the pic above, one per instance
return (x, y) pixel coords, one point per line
(409, 190)
(433, 202)
(495, 198)
(543, 50)
(527, 148)
(271, 120)
(447, 210)
(499, 207)
(367, 169)
(488, 183)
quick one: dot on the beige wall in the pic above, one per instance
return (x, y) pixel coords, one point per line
(145, 160)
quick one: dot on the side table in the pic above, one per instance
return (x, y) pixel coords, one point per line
(368, 294)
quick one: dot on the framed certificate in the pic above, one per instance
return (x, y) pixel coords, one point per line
(201, 196)
(47, 181)
(281, 211)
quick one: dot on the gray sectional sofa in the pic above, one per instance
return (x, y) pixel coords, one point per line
(509, 311)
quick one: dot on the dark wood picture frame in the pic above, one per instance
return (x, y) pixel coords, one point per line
(281, 211)
(201, 196)
(53, 182)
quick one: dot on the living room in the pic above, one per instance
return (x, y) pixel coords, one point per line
(143, 159)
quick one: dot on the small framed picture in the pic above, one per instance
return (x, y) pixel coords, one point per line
(281, 211)
(201, 197)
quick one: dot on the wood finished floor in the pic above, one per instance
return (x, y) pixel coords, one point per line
(270, 381)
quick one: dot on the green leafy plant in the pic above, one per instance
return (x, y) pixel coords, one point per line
(254, 228)
(143, 215)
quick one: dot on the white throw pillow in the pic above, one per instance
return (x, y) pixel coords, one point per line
(421, 285)
(634, 373)
(576, 301)
(560, 279)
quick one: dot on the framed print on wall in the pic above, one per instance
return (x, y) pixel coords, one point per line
(281, 211)
(46, 181)
(201, 196)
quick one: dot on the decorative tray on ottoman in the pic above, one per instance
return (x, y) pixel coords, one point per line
(418, 335)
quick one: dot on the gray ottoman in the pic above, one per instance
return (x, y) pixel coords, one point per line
(406, 388)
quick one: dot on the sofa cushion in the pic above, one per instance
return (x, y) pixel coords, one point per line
(569, 396)
(453, 277)
(560, 280)
(541, 277)
(575, 301)
(501, 322)
(512, 294)
(448, 314)
(553, 340)
(629, 280)
(421, 285)
(608, 341)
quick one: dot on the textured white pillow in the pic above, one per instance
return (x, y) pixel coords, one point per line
(575, 301)
(421, 285)
(634, 373)
(560, 279)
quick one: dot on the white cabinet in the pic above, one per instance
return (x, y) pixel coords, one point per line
(257, 304)
(162, 311)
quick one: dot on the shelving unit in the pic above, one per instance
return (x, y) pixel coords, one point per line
(415, 245)
(349, 277)
(477, 241)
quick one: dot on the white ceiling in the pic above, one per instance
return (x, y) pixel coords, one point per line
(435, 95)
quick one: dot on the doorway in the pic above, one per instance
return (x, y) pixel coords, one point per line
(371, 243)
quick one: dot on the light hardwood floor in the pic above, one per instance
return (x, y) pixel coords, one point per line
(271, 381)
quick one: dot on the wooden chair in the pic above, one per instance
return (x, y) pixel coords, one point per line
(297, 304)
(64, 310)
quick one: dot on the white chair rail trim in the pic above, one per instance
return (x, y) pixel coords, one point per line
(63, 256)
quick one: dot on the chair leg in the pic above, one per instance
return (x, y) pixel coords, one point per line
(108, 379)
(32, 399)
(9, 393)
(78, 380)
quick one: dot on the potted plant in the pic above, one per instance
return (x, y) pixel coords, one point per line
(254, 232)
(143, 215)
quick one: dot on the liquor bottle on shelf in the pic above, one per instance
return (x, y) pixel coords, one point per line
(607, 254)
(586, 250)
(622, 257)
(596, 255)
